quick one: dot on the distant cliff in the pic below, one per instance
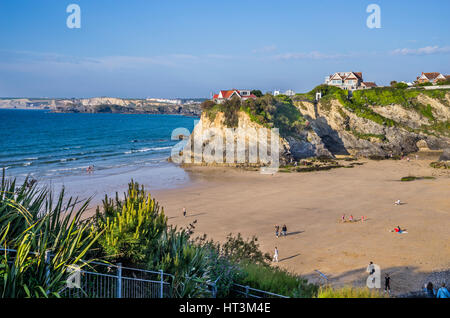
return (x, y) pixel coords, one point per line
(106, 105)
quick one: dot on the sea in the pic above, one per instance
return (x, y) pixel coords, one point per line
(57, 149)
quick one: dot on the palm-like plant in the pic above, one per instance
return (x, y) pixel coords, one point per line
(48, 237)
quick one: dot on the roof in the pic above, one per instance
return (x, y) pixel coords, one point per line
(226, 94)
(431, 75)
(369, 84)
(345, 75)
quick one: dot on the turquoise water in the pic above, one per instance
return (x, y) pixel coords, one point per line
(59, 147)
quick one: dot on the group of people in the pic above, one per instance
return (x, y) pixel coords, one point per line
(283, 230)
(350, 219)
(440, 293)
(277, 235)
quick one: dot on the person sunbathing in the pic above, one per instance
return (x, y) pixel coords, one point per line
(398, 202)
(399, 230)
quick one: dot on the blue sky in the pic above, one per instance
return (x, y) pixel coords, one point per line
(189, 48)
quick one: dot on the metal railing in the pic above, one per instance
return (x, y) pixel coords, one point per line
(102, 280)
(248, 292)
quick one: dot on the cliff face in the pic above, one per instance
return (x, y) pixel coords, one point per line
(209, 133)
(334, 128)
(344, 132)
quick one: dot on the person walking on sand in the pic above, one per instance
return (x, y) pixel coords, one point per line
(387, 283)
(184, 211)
(275, 255)
(277, 230)
(284, 230)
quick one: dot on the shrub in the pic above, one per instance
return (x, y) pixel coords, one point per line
(349, 292)
(401, 85)
(31, 221)
(131, 226)
(276, 280)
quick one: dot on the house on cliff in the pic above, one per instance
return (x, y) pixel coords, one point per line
(345, 80)
(432, 77)
(243, 94)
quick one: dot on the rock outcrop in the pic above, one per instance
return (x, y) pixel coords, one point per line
(344, 132)
(334, 129)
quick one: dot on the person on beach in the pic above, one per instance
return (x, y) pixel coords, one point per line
(362, 218)
(184, 211)
(443, 292)
(398, 202)
(351, 218)
(275, 255)
(343, 218)
(429, 290)
(387, 283)
(284, 230)
(277, 230)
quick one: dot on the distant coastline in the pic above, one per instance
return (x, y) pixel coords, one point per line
(107, 105)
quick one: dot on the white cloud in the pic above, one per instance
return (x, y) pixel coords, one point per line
(315, 55)
(427, 50)
(266, 49)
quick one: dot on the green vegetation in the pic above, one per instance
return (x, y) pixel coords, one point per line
(439, 165)
(268, 111)
(412, 178)
(276, 280)
(401, 85)
(32, 220)
(349, 292)
(367, 136)
(362, 100)
(257, 93)
(133, 231)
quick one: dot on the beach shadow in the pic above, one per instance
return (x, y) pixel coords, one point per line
(294, 233)
(289, 257)
(192, 215)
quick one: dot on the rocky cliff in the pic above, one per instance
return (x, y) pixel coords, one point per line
(336, 126)
(397, 130)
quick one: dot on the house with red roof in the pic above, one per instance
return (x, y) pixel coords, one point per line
(224, 95)
(368, 85)
(432, 77)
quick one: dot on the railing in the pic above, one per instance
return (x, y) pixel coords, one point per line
(248, 292)
(101, 280)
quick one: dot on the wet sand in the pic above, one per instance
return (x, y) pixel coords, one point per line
(226, 200)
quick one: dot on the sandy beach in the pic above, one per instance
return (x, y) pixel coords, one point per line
(227, 200)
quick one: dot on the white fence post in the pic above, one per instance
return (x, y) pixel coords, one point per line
(161, 295)
(119, 280)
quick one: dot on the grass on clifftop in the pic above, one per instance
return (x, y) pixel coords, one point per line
(268, 111)
(349, 292)
(362, 100)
